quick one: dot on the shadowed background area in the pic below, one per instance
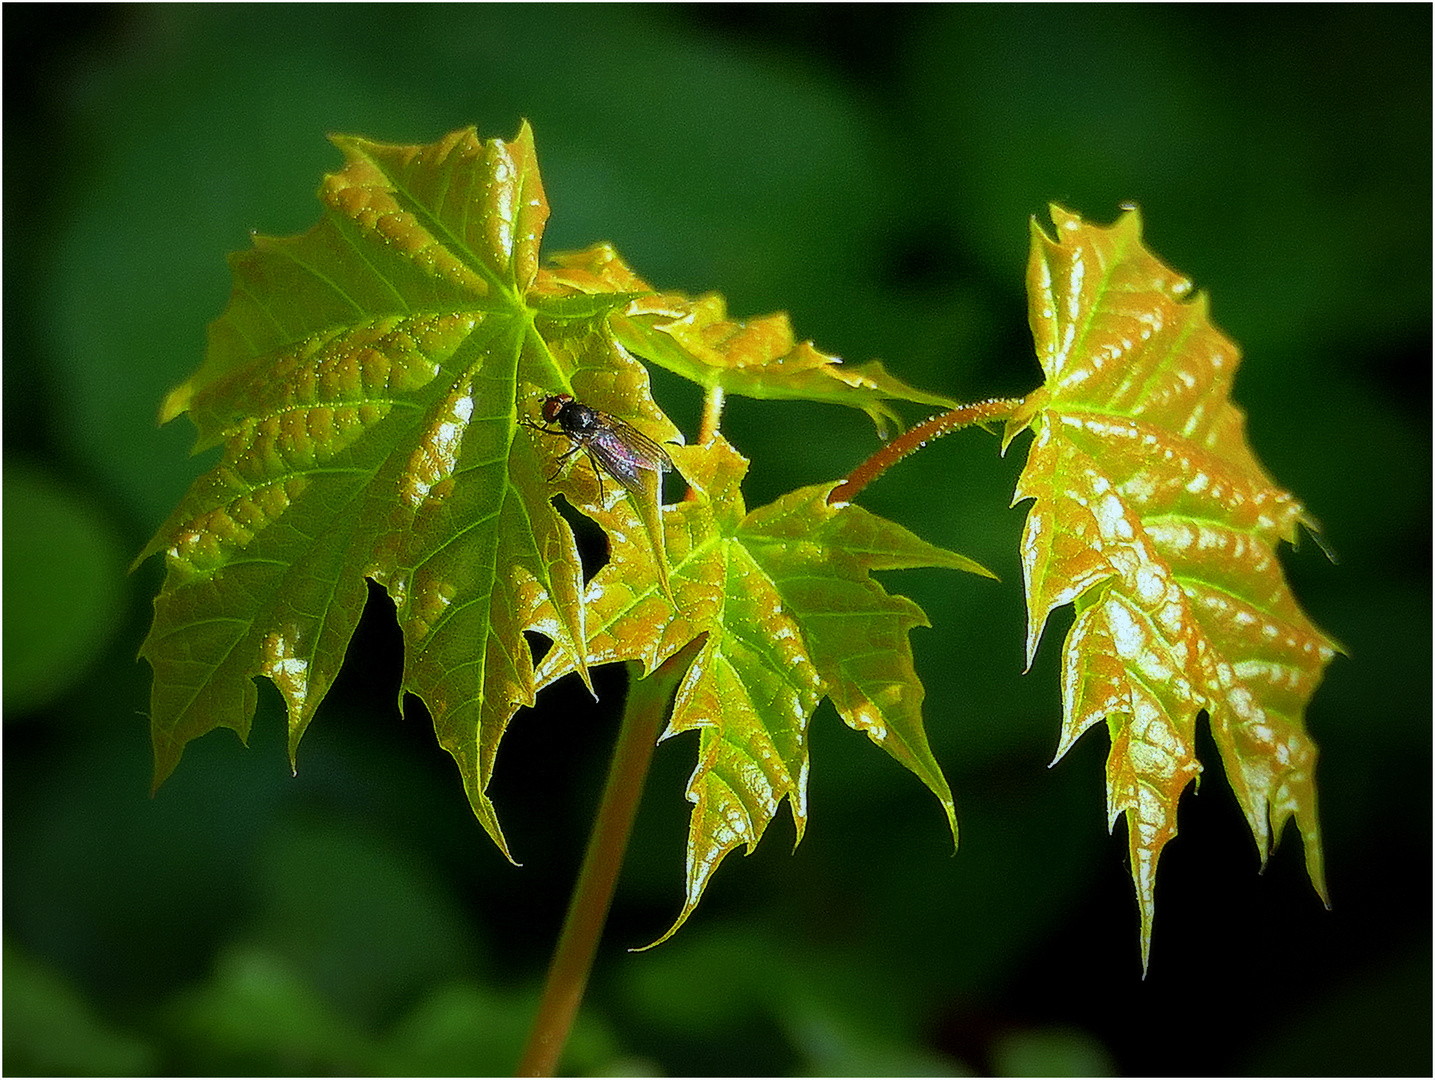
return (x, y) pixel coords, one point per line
(872, 171)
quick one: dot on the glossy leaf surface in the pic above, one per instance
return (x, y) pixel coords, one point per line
(758, 358)
(366, 382)
(1155, 519)
(785, 597)
(374, 385)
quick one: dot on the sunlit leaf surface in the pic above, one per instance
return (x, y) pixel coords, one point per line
(791, 613)
(375, 385)
(758, 358)
(1154, 518)
(367, 382)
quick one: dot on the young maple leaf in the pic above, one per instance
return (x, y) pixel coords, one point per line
(367, 382)
(791, 613)
(1153, 516)
(757, 358)
(371, 383)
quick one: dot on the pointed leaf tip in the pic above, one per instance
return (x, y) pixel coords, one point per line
(363, 381)
(791, 612)
(1154, 518)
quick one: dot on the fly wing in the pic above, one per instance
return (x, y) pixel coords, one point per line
(655, 458)
(624, 452)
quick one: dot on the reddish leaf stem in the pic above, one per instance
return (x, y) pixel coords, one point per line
(909, 442)
(643, 716)
(712, 414)
(712, 417)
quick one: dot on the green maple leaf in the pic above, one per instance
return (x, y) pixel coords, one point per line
(363, 382)
(791, 613)
(759, 358)
(371, 382)
(1153, 516)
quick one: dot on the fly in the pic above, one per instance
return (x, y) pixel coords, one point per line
(614, 446)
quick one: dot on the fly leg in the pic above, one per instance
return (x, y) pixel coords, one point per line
(568, 454)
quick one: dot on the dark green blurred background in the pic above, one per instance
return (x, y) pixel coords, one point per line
(872, 171)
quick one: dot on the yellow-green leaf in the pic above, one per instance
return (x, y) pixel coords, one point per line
(791, 613)
(368, 381)
(1153, 516)
(758, 358)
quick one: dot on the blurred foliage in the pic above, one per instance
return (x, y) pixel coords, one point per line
(870, 170)
(65, 565)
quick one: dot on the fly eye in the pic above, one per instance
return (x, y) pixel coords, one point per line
(553, 405)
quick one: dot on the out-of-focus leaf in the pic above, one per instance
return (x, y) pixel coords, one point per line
(1153, 516)
(463, 1029)
(791, 613)
(63, 575)
(759, 358)
(51, 1030)
(1050, 1052)
(258, 1015)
